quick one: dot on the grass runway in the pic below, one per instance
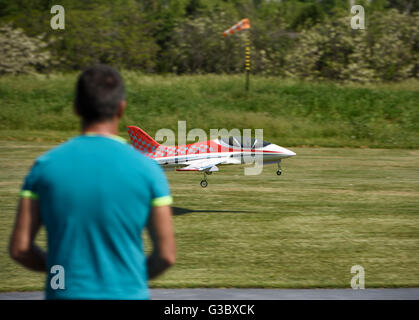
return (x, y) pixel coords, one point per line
(331, 209)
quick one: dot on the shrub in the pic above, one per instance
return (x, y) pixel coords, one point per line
(20, 53)
(386, 50)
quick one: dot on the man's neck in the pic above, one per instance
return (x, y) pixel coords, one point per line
(103, 128)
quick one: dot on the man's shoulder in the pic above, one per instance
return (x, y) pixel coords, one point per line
(54, 151)
(113, 147)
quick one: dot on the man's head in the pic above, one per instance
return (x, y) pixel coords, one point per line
(100, 95)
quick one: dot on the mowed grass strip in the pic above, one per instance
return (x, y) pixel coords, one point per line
(330, 210)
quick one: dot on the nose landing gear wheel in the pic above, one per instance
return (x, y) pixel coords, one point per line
(204, 183)
(279, 172)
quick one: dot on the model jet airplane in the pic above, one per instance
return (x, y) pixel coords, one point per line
(206, 156)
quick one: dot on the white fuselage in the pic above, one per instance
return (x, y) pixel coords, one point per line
(269, 154)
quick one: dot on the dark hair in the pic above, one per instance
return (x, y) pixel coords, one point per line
(99, 91)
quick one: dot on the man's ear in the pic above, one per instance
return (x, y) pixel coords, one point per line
(121, 108)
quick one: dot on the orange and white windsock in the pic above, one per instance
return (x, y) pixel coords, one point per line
(242, 25)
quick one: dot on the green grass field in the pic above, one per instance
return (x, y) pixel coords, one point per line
(355, 203)
(291, 113)
(332, 208)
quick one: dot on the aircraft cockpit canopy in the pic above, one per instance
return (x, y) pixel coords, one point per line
(244, 142)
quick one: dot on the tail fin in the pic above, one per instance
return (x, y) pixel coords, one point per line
(141, 140)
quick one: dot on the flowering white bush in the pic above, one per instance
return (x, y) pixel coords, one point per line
(387, 50)
(20, 53)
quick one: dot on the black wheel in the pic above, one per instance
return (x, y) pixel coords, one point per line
(204, 183)
(279, 172)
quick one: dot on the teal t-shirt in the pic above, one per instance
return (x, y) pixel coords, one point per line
(95, 194)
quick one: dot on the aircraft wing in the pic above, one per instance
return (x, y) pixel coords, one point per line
(203, 165)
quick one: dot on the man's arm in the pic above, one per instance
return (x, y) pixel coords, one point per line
(160, 229)
(22, 248)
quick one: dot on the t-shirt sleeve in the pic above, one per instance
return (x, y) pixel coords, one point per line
(160, 188)
(31, 182)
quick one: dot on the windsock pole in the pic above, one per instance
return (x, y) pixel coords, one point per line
(247, 61)
(244, 24)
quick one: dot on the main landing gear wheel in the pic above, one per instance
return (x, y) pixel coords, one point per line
(279, 172)
(204, 183)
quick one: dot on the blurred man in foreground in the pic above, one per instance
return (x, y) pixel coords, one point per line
(95, 194)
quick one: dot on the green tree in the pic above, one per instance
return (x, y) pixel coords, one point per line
(117, 35)
(197, 45)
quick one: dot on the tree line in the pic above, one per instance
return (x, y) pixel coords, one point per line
(307, 39)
